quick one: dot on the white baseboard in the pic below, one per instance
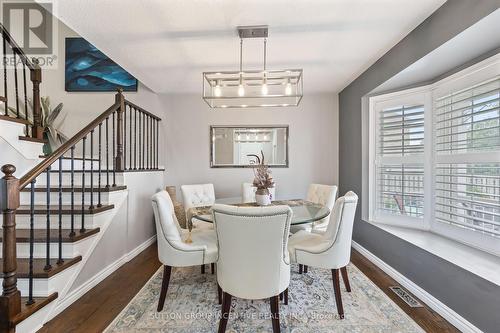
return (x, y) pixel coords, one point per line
(451, 316)
(99, 277)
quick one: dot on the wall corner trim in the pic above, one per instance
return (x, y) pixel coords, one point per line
(451, 316)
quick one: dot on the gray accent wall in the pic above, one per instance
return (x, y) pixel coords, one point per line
(475, 299)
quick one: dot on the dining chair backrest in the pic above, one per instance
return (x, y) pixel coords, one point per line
(253, 258)
(324, 195)
(339, 230)
(197, 195)
(167, 227)
(248, 192)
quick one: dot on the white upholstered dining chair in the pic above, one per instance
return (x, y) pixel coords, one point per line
(253, 260)
(172, 251)
(330, 249)
(198, 195)
(248, 192)
(321, 194)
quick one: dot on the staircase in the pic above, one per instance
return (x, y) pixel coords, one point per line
(56, 213)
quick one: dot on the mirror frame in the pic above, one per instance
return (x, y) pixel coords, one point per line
(213, 127)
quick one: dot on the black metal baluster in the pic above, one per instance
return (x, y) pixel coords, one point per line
(16, 85)
(147, 142)
(32, 243)
(140, 138)
(113, 149)
(157, 144)
(82, 229)
(124, 137)
(91, 170)
(150, 142)
(99, 204)
(60, 260)
(135, 139)
(5, 91)
(130, 136)
(48, 266)
(143, 140)
(153, 148)
(25, 98)
(107, 152)
(72, 185)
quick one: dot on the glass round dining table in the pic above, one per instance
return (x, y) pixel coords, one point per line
(303, 211)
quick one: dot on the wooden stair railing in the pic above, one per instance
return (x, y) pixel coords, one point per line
(33, 121)
(134, 142)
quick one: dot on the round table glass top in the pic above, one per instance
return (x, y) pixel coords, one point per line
(303, 211)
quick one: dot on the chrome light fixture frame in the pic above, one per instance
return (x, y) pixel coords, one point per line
(253, 88)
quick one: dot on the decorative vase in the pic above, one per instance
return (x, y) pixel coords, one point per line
(47, 149)
(262, 197)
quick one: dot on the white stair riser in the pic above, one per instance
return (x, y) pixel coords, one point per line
(69, 250)
(78, 164)
(40, 221)
(41, 181)
(45, 287)
(41, 198)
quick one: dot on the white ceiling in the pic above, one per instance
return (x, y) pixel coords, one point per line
(168, 44)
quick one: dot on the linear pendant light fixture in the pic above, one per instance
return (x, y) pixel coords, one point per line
(253, 88)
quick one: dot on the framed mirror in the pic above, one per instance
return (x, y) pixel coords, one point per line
(230, 146)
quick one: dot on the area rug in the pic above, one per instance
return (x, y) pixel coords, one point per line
(191, 307)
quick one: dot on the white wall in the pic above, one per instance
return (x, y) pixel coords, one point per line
(313, 145)
(83, 107)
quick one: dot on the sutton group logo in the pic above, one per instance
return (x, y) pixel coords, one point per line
(33, 28)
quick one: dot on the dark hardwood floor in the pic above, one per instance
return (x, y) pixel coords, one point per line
(97, 308)
(427, 318)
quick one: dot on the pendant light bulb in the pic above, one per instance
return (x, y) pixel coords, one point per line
(264, 89)
(241, 88)
(288, 88)
(217, 90)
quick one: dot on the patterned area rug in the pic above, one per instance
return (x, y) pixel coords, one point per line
(191, 306)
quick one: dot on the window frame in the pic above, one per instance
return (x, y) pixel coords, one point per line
(426, 95)
(416, 96)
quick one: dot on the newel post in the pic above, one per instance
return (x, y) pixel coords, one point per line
(10, 300)
(36, 79)
(119, 99)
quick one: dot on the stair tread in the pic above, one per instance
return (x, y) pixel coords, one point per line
(27, 138)
(15, 120)
(28, 310)
(66, 209)
(39, 265)
(77, 189)
(40, 235)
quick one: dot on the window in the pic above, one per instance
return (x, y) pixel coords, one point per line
(467, 130)
(435, 157)
(398, 172)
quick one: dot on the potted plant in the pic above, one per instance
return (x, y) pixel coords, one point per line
(51, 132)
(263, 181)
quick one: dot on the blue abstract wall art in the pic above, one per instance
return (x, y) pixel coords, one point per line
(88, 69)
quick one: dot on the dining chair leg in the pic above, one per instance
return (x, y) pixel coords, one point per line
(164, 286)
(281, 296)
(305, 268)
(275, 314)
(338, 296)
(226, 307)
(219, 293)
(212, 268)
(300, 268)
(202, 269)
(343, 270)
(286, 296)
